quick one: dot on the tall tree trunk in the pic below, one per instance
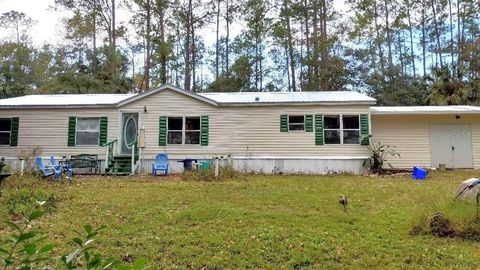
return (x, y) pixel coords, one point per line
(324, 46)
(459, 41)
(187, 79)
(217, 44)
(316, 71)
(194, 57)
(260, 59)
(177, 63)
(290, 44)
(94, 21)
(424, 41)
(163, 58)
(114, 34)
(227, 39)
(257, 77)
(412, 50)
(287, 66)
(378, 38)
(307, 44)
(146, 76)
(437, 32)
(389, 38)
(451, 31)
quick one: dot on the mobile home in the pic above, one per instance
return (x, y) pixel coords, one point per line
(300, 132)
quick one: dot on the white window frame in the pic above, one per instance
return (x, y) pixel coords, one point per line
(9, 132)
(184, 129)
(76, 131)
(350, 129)
(184, 134)
(296, 124)
(341, 129)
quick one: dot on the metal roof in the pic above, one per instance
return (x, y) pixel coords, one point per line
(216, 99)
(64, 100)
(242, 98)
(457, 109)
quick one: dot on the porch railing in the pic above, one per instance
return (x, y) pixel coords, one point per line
(134, 146)
(110, 146)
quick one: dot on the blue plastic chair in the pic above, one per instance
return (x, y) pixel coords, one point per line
(63, 168)
(47, 171)
(160, 164)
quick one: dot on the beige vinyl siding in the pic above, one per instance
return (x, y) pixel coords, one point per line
(252, 131)
(411, 135)
(47, 129)
(233, 129)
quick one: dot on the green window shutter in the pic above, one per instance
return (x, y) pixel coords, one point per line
(162, 131)
(309, 123)
(72, 126)
(364, 129)
(284, 123)
(103, 130)
(318, 129)
(14, 131)
(204, 130)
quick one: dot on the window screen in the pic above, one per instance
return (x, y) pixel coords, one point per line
(5, 126)
(296, 122)
(87, 131)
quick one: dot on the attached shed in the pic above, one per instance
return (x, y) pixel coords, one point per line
(430, 135)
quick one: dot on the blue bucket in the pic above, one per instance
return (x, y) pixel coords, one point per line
(419, 173)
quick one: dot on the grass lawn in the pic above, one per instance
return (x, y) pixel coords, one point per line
(268, 222)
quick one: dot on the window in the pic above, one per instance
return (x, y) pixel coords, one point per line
(5, 130)
(296, 122)
(175, 127)
(340, 129)
(351, 129)
(183, 130)
(332, 129)
(192, 130)
(87, 131)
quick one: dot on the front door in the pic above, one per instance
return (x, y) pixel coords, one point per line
(451, 145)
(129, 132)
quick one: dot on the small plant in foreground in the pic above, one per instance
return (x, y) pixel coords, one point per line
(86, 256)
(378, 155)
(24, 251)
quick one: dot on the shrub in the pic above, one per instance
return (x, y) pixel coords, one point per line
(378, 155)
(441, 226)
(208, 175)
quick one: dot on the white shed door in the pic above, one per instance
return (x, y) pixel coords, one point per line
(451, 145)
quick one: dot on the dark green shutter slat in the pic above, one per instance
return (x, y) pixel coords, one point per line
(318, 129)
(309, 123)
(284, 123)
(364, 129)
(162, 131)
(103, 130)
(72, 126)
(14, 131)
(204, 130)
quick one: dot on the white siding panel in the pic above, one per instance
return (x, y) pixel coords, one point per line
(411, 136)
(239, 131)
(45, 132)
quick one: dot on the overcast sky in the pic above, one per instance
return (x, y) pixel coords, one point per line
(48, 28)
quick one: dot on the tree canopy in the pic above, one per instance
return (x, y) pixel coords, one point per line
(402, 52)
